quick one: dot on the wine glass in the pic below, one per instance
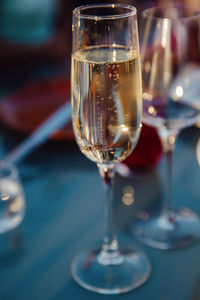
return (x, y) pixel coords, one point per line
(12, 199)
(106, 99)
(170, 56)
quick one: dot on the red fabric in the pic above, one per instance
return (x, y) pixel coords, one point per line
(148, 150)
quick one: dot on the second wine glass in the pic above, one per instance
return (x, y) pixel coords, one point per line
(170, 54)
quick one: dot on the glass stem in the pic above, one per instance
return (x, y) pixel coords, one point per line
(168, 204)
(110, 248)
(168, 139)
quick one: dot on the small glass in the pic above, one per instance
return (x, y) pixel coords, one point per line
(12, 200)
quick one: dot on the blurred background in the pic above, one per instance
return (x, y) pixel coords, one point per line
(35, 49)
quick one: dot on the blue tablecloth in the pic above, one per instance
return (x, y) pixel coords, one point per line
(64, 214)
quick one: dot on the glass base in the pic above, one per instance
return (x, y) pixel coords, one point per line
(111, 273)
(171, 230)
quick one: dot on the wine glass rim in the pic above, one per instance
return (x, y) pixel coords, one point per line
(148, 12)
(78, 11)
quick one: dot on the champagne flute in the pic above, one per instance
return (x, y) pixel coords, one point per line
(106, 114)
(170, 55)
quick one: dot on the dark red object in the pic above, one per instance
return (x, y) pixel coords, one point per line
(148, 150)
(25, 109)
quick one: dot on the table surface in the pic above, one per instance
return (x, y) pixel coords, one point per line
(64, 214)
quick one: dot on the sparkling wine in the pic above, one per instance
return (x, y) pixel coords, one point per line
(106, 102)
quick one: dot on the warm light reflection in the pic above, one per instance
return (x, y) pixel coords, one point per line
(172, 140)
(128, 189)
(147, 96)
(5, 196)
(128, 195)
(152, 111)
(128, 199)
(114, 55)
(164, 32)
(124, 128)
